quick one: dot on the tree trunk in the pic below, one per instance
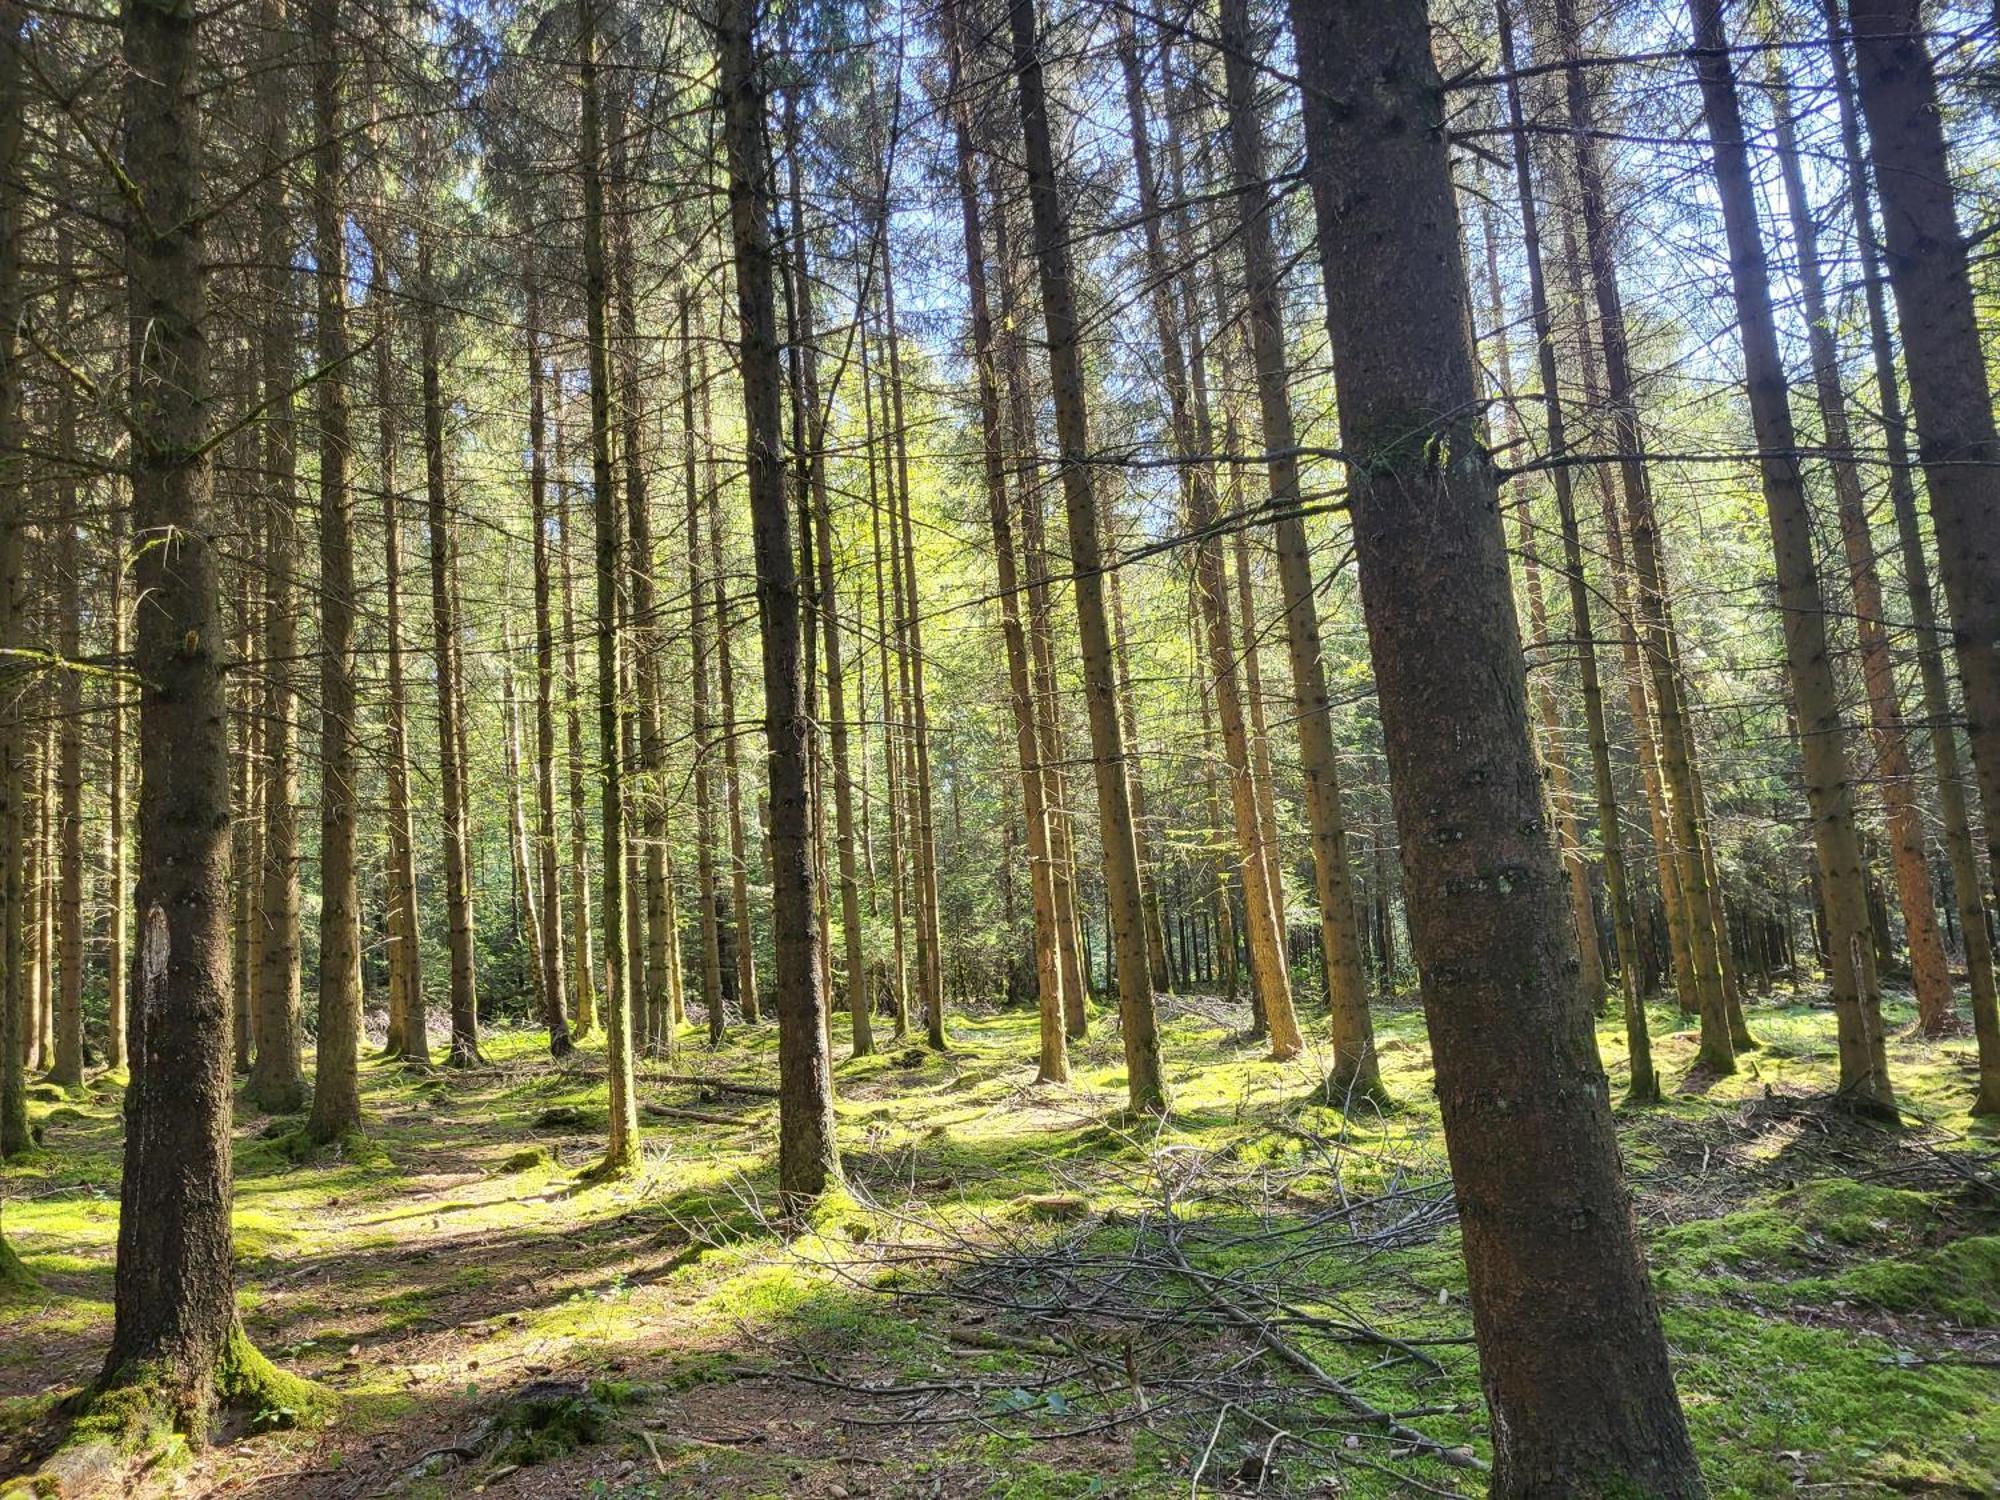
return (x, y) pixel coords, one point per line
(68, 1068)
(1857, 997)
(1354, 1067)
(1146, 1084)
(1644, 1085)
(336, 1084)
(1929, 972)
(14, 1137)
(886, 637)
(1968, 883)
(1053, 1061)
(277, 1075)
(174, 1335)
(1685, 834)
(443, 528)
(245, 870)
(583, 989)
(621, 1153)
(546, 870)
(808, 1161)
(693, 376)
(1582, 1403)
(1951, 397)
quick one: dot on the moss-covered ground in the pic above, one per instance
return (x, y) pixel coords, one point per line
(1023, 1294)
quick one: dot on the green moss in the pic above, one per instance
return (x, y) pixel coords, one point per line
(551, 1418)
(1858, 1213)
(266, 1395)
(15, 1279)
(527, 1159)
(1959, 1281)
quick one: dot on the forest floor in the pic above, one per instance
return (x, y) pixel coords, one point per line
(1025, 1295)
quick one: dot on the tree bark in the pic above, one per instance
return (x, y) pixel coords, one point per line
(68, 1067)
(1951, 396)
(808, 1160)
(336, 1107)
(1354, 1066)
(1857, 996)
(583, 989)
(1146, 1084)
(698, 649)
(1582, 1403)
(14, 1137)
(621, 1153)
(277, 1074)
(546, 867)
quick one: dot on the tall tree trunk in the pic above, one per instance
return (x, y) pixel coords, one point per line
(1928, 968)
(583, 989)
(443, 526)
(707, 890)
(1968, 882)
(1857, 996)
(245, 869)
(1354, 1067)
(174, 1333)
(828, 610)
(886, 637)
(277, 1074)
(1951, 396)
(1582, 1403)
(1644, 1084)
(920, 827)
(661, 990)
(546, 865)
(739, 854)
(14, 1137)
(68, 703)
(118, 903)
(808, 1161)
(621, 1153)
(1145, 1080)
(1053, 1060)
(336, 1084)
(1685, 834)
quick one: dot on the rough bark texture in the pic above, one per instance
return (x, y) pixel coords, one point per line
(706, 887)
(14, 1137)
(1145, 1081)
(1857, 996)
(175, 1287)
(546, 866)
(808, 1162)
(1583, 1403)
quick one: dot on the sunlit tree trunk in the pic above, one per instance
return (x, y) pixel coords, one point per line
(1928, 969)
(1354, 1068)
(886, 641)
(739, 852)
(621, 1153)
(1857, 998)
(1644, 1084)
(1582, 1404)
(1053, 1061)
(808, 1161)
(1146, 1084)
(336, 1082)
(708, 892)
(583, 985)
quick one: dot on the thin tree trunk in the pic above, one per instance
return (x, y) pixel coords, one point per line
(1717, 1052)
(1644, 1084)
(1354, 1067)
(444, 635)
(1582, 1403)
(698, 649)
(808, 1161)
(245, 871)
(1928, 968)
(68, 703)
(892, 726)
(546, 865)
(739, 855)
(1146, 1084)
(14, 1137)
(118, 903)
(277, 1074)
(1053, 1061)
(336, 1107)
(583, 989)
(1857, 998)
(621, 1153)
